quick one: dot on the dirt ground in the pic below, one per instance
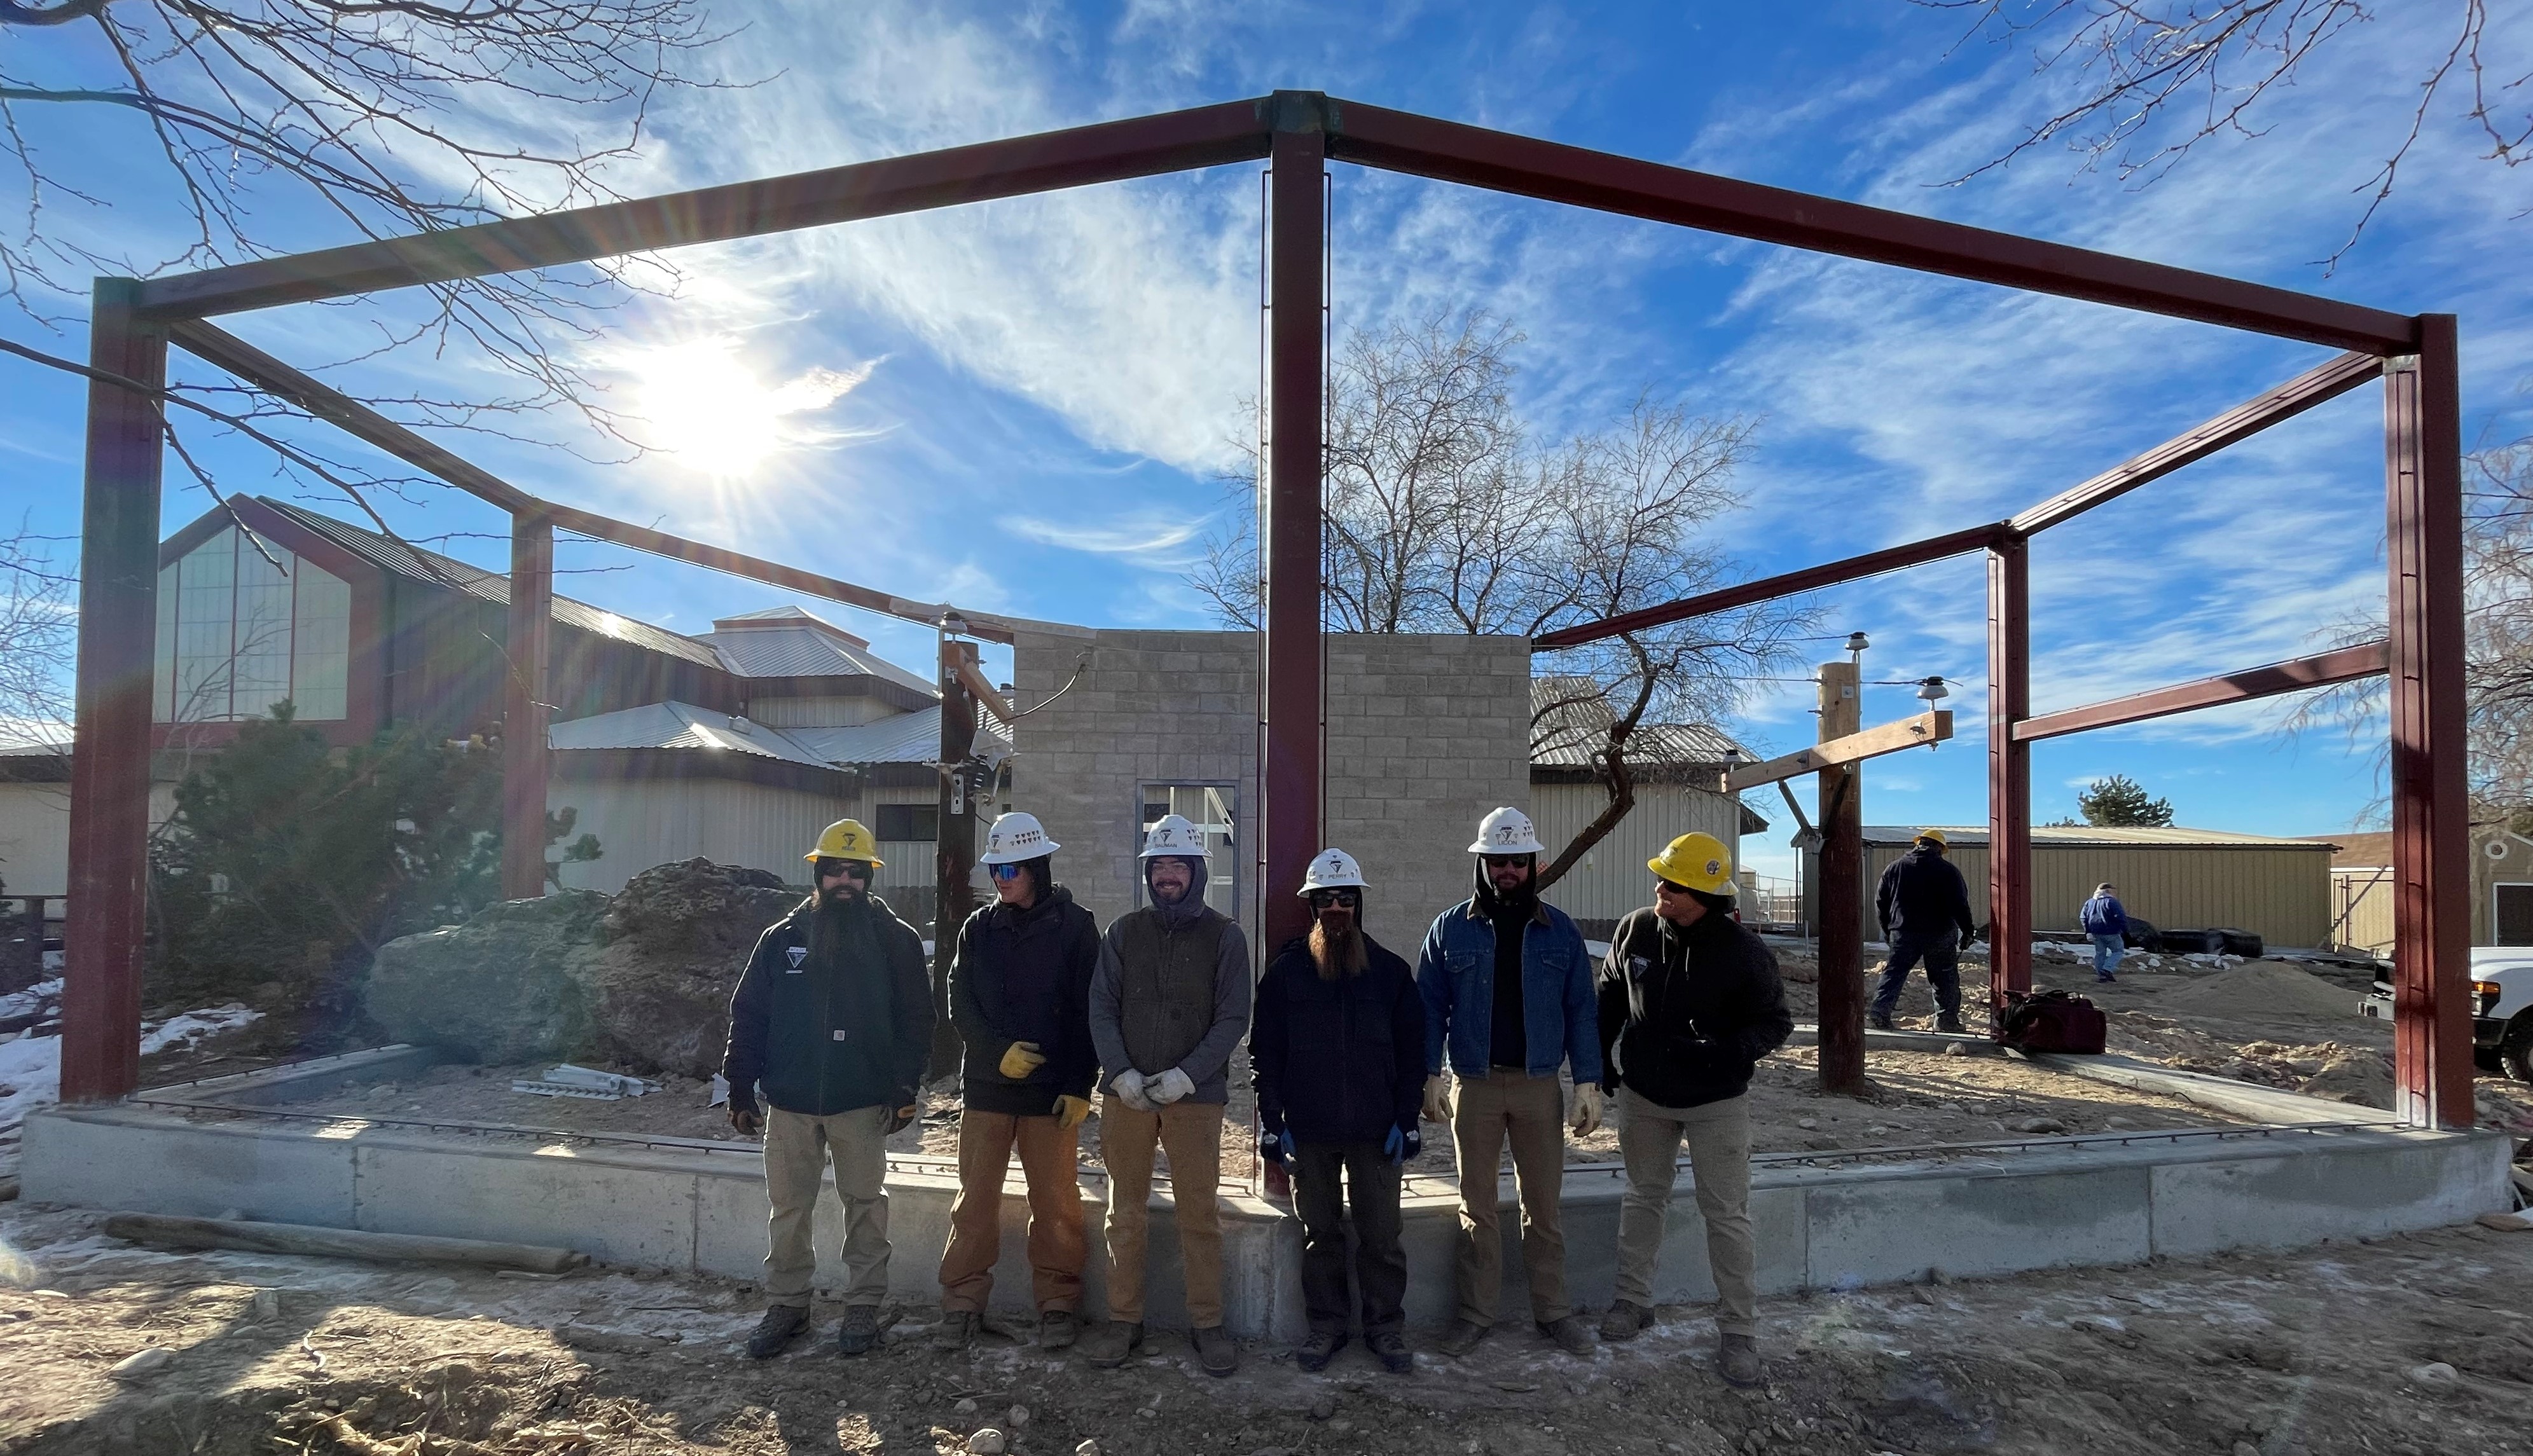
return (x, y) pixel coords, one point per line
(2406, 1346)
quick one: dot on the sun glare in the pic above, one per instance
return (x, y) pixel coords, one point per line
(703, 404)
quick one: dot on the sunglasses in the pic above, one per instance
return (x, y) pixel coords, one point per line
(844, 869)
(1322, 899)
(1666, 887)
(1004, 871)
(1499, 861)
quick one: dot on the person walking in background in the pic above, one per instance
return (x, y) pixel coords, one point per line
(1924, 906)
(1168, 1006)
(833, 1021)
(1338, 1054)
(1690, 1000)
(2107, 922)
(1020, 996)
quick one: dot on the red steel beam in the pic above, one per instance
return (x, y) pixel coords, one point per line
(2009, 775)
(2322, 668)
(1768, 589)
(109, 831)
(1110, 152)
(1449, 151)
(2318, 385)
(1289, 765)
(526, 756)
(2432, 869)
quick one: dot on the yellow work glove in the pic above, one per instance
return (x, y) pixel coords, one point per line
(1435, 1110)
(1070, 1111)
(1586, 1119)
(1022, 1058)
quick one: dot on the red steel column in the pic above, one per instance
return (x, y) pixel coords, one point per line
(103, 940)
(1289, 774)
(2431, 840)
(2009, 774)
(525, 754)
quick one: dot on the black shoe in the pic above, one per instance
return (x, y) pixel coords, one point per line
(781, 1325)
(860, 1330)
(1461, 1338)
(1112, 1344)
(1056, 1329)
(956, 1329)
(1737, 1357)
(1320, 1348)
(1948, 1023)
(1625, 1321)
(1393, 1353)
(1217, 1350)
(1569, 1334)
(1879, 1021)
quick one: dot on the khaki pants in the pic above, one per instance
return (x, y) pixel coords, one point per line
(1530, 1113)
(1049, 1154)
(797, 1148)
(1718, 1156)
(1191, 1132)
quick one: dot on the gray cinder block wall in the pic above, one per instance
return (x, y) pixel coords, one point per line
(1425, 733)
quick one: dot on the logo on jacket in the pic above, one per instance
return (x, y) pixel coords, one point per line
(797, 953)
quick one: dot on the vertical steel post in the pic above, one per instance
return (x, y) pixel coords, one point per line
(2009, 774)
(526, 755)
(1842, 889)
(954, 858)
(2431, 841)
(104, 941)
(1289, 773)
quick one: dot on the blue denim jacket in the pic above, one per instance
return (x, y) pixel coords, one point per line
(1560, 1015)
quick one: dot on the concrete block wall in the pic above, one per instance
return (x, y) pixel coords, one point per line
(1425, 733)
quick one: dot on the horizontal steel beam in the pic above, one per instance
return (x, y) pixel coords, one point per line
(1110, 152)
(1927, 729)
(2322, 669)
(218, 346)
(1769, 588)
(1449, 151)
(2315, 386)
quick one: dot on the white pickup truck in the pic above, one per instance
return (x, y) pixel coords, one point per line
(2502, 1008)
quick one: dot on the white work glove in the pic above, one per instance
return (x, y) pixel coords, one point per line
(1585, 1116)
(1436, 1109)
(1168, 1087)
(1129, 1087)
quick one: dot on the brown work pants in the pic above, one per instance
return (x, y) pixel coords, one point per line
(1049, 1153)
(1191, 1132)
(1529, 1112)
(797, 1148)
(1718, 1156)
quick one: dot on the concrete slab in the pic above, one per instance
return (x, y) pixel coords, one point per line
(1870, 1229)
(619, 1208)
(156, 1162)
(2336, 1187)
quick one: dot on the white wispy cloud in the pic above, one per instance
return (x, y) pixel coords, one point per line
(1144, 537)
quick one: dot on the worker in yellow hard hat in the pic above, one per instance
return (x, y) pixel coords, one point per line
(1689, 1002)
(1923, 906)
(832, 1023)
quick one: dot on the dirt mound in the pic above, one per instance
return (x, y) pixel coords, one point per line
(2259, 991)
(672, 944)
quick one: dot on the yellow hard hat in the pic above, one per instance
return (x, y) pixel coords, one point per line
(846, 839)
(1698, 861)
(1936, 836)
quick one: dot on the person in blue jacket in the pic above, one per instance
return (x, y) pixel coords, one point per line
(2107, 922)
(1509, 1001)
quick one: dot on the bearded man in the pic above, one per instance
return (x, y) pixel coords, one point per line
(1337, 1053)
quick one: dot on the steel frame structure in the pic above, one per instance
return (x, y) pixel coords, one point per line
(1297, 133)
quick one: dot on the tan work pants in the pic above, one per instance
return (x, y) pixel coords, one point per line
(1191, 1132)
(1718, 1156)
(797, 1148)
(1049, 1153)
(1529, 1112)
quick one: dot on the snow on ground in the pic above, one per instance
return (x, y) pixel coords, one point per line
(30, 1066)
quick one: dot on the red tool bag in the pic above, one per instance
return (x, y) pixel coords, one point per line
(2053, 1021)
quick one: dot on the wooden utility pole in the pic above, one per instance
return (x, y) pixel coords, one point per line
(955, 857)
(1842, 889)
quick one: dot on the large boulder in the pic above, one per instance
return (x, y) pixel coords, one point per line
(502, 987)
(671, 948)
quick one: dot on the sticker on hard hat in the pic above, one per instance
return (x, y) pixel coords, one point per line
(1715, 867)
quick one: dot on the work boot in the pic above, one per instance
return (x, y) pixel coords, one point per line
(1216, 1351)
(1948, 1021)
(956, 1329)
(1056, 1329)
(1113, 1343)
(1624, 1321)
(1879, 1021)
(1568, 1333)
(781, 1325)
(1461, 1338)
(860, 1331)
(1320, 1348)
(1392, 1351)
(1737, 1358)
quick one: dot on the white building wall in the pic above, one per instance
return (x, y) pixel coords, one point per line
(1612, 879)
(655, 822)
(36, 835)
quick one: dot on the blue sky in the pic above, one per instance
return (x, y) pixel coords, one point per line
(1024, 406)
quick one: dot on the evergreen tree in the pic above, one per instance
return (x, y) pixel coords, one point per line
(2120, 801)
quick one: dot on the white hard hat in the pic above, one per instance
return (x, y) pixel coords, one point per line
(1507, 831)
(1014, 838)
(1331, 868)
(1172, 834)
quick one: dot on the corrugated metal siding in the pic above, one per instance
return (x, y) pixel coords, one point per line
(775, 712)
(2361, 904)
(1613, 879)
(2282, 895)
(643, 824)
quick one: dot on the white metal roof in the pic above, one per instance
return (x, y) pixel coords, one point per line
(789, 642)
(1570, 718)
(904, 738)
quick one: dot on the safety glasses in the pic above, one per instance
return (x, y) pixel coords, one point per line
(1499, 861)
(1004, 871)
(1321, 899)
(844, 869)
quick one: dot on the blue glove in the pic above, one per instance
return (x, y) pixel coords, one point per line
(1403, 1144)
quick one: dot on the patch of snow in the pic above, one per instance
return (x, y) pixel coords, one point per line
(30, 1067)
(193, 1025)
(34, 998)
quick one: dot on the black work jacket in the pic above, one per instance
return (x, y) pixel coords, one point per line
(1339, 1061)
(1686, 1015)
(823, 1039)
(1921, 895)
(1025, 976)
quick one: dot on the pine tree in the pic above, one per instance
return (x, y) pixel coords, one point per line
(2121, 800)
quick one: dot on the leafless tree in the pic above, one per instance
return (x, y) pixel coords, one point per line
(1444, 514)
(2152, 79)
(38, 630)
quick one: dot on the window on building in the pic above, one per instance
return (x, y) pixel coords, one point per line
(2515, 906)
(238, 632)
(909, 822)
(1212, 809)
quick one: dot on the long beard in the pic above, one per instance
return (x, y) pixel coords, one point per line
(1338, 955)
(832, 925)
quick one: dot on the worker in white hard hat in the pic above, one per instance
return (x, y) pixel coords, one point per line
(1168, 1007)
(832, 1021)
(1690, 1001)
(1509, 1002)
(1019, 995)
(1337, 1055)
